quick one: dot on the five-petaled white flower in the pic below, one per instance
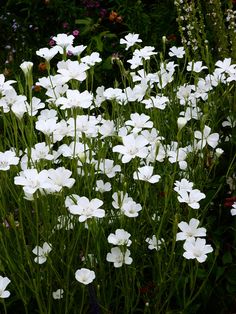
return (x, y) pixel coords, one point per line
(119, 257)
(102, 187)
(133, 146)
(85, 276)
(197, 248)
(47, 53)
(177, 52)
(190, 230)
(139, 122)
(196, 66)
(191, 197)
(63, 40)
(145, 173)
(120, 237)
(184, 184)
(205, 137)
(130, 40)
(7, 159)
(154, 244)
(87, 209)
(42, 252)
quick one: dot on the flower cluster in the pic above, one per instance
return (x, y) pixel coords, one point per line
(194, 245)
(112, 166)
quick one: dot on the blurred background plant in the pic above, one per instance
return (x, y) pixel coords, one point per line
(205, 28)
(99, 24)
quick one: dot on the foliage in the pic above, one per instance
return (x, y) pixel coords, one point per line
(72, 132)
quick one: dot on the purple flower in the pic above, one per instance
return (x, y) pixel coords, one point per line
(102, 13)
(65, 25)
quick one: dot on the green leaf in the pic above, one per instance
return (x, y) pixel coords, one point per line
(227, 258)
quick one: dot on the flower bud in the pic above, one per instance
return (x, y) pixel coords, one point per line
(181, 122)
(26, 67)
(219, 152)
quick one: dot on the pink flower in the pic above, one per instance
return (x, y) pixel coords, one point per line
(75, 32)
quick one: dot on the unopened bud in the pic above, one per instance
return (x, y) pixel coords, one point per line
(181, 122)
(219, 152)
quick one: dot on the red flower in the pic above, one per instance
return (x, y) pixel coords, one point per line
(229, 201)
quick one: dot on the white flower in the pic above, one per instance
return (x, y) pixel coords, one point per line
(158, 101)
(130, 40)
(4, 281)
(184, 93)
(154, 244)
(34, 106)
(152, 136)
(46, 126)
(177, 52)
(119, 199)
(91, 59)
(75, 149)
(5, 85)
(102, 187)
(42, 252)
(19, 107)
(11, 100)
(47, 53)
(77, 50)
(107, 128)
(113, 93)
(179, 155)
(72, 70)
(71, 200)
(118, 257)
(190, 230)
(206, 138)
(121, 237)
(84, 124)
(107, 167)
(219, 152)
(41, 151)
(133, 146)
(184, 184)
(191, 113)
(87, 209)
(58, 294)
(146, 174)
(32, 180)
(75, 99)
(63, 40)
(197, 248)
(7, 159)
(131, 209)
(233, 209)
(230, 122)
(195, 66)
(85, 276)
(139, 122)
(135, 62)
(145, 52)
(191, 198)
(225, 66)
(60, 178)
